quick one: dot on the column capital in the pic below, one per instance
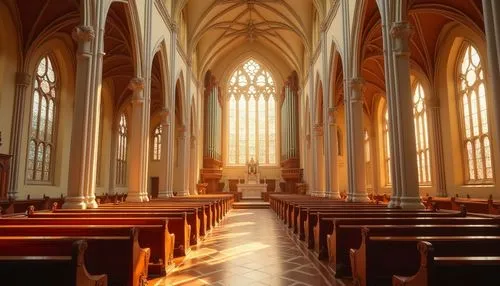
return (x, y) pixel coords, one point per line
(174, 27)
(23, 79)
(136, 84)
(83, 33)
(164, 113)
(318, 130)
(357, 89)
(401, 30)
(332, 115)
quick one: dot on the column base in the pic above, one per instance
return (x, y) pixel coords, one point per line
(12, 195)
(334, 195)
(358, 198)
(74, 203)
(185, 193)
(393, 203)
(165, 195)
(145, 198)
(135, 197)
(318, 194)
(441, 194)
(91, 203)
(411, 203)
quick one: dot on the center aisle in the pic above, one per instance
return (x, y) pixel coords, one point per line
(249, 247)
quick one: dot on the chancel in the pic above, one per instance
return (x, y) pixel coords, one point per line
(247, 142)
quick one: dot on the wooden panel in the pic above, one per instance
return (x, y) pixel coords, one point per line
(155, 187)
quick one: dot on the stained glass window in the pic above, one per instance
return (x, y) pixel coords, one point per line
(421, 135)
(252, 115)
(41, 146)
(121, 152)
(474, 117)
(157, 143)
(387, 147)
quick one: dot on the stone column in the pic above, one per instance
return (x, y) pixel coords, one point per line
(183, 159)
(23, 80)
(333, 192)
(319, 175)
(165, 191)
(438, 171)
(135, 191)
(81, 178)
(357, 163)
(402, 119)
(491, 12)
(192, 165)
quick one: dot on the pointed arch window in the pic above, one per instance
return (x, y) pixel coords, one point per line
(41, 144)
(421, 135)
(474, 117)
(157, 143)
(387, 146)
(340, 142)
(252, 123)
(121, 152)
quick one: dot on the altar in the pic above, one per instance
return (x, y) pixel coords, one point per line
(252, 188)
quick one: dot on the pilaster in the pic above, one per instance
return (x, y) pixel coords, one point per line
(83, 155)
(23, 80)
(164, 191)
(401, 116)
(333, 192)
(135, 191)
(357, 163)
(439, 174)
(319, 175)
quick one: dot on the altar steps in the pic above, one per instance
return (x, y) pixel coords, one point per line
(251, 204)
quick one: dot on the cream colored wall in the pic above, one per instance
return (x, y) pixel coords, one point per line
(8, 68)
(64, 60)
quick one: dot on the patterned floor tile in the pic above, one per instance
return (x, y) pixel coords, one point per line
(249, 247)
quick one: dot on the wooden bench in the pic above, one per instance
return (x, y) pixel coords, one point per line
(155, 236)
(113, 250)
(465, 267)
(342, 236)
(61, 268)
(387, 250)
(314, 218)
(177, 224)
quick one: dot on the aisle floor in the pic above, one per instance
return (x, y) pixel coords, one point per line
(249, 247)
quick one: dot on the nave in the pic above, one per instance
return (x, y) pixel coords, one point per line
(249, 247)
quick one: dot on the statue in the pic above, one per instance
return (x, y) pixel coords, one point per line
(252, 167)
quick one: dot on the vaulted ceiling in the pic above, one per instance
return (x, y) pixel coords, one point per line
(217, 29)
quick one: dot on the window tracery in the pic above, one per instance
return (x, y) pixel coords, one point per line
(474, 116)
(41, 145)
(387, 146)
(252, 124)
(121, 152)
(157, 143)
(421, 135)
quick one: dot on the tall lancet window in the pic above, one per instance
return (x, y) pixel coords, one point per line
(41, 144)
(251, 105)
(474, 117)
(157, 143)
(121, 152)
(421, 135)
(387, 146)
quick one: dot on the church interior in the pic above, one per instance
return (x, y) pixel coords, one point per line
(239, 142)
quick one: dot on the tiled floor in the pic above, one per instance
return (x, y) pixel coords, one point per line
(250, 247)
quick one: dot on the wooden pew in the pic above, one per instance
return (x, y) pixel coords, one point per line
(191, 216)
(464, 267)
(155, 236)
(61, 268)
(375, 261)
(344, 236)
(314, 218)
(113, 250)
(177, 224)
